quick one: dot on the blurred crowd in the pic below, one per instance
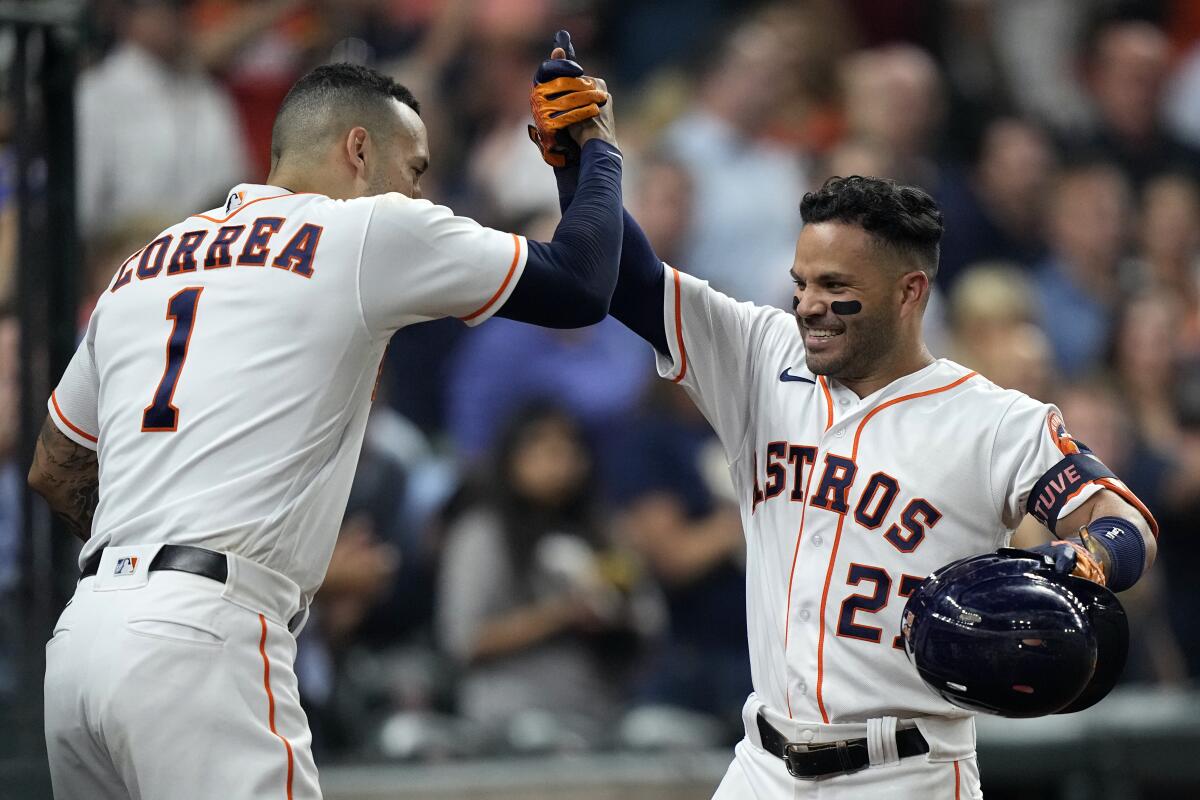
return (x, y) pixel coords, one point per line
(541, 550)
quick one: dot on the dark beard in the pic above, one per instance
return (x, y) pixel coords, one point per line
(874, 340)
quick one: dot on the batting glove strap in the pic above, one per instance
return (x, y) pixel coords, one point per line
(1125, 546)
(1072, 557)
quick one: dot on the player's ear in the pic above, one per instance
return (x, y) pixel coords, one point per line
(357, 148)
(914, 290)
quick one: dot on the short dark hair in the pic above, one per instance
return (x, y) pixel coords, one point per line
(902, 218)
(340, 88)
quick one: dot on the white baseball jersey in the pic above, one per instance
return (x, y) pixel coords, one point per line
(226, 374)
(848, 503)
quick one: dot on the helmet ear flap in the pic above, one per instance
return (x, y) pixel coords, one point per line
(1111, 627)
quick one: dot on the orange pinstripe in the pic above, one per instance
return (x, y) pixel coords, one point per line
(828, 403)
(837, 537)
(957, 781)
(379, 374)
(262, 648)
(679, 331)
(787, 617)
(67, 422)
(240, 209)
(512, 269)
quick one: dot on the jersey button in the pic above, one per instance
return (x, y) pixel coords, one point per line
(845, 401)
(804, 615)
(802, 687)
(840, 432)
(816, 540)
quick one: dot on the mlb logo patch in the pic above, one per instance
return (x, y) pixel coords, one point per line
(126, 566)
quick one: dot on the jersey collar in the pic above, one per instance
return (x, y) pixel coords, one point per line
(246, 192)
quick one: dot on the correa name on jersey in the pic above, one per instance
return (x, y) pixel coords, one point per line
(169, 256)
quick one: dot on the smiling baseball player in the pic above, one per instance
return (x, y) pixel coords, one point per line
(862, 464)
(203, 439)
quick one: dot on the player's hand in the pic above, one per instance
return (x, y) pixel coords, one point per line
(1072, 557)
(569, 108)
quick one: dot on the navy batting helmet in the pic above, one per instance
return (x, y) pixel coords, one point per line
(1005, 634)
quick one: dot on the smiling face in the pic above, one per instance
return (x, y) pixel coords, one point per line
(839, 261)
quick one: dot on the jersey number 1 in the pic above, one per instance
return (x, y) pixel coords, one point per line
(161, 414)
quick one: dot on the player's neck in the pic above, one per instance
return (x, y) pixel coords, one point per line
(914, 360)
(310, 180)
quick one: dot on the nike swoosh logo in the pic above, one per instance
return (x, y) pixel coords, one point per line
(787, 375)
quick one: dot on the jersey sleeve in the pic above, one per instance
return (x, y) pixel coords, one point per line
(73, 403)
(1031, 439)
(713, 341)
(419, 262)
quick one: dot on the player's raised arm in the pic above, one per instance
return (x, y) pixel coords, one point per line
(357, 136)
(569, 281)
(638, 298)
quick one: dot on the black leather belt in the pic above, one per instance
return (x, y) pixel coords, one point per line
(178, 557)
(822, 759)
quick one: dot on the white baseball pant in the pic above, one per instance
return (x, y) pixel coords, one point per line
(172, 686)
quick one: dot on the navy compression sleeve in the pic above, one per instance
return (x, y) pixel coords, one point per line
(568, 282)
(638, 299)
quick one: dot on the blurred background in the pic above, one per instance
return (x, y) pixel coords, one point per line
(538, 587)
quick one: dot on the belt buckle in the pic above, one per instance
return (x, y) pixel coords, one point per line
(796, 748)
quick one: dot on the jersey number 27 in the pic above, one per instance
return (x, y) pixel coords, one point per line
(161, 414)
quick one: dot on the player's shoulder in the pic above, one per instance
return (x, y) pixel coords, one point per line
(714, 301)
(989, 398)
(400, 209)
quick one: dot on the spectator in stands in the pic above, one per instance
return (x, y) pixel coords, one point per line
(1128, 64)
(1182, 98)
(377, 592)
(855, 156)
(596, 372)
(257, 48)
(505, 171)
(893, 95)
(1169, 239)
(663, 204)
(747, 188)
(1144, 358)
(1079, 284)
(8, 209)
(1180, 515)
(1035, 45)
(12, 484)
(543, 631)
(678, 512)
(155, 134)
(992, 309)
(996, 209)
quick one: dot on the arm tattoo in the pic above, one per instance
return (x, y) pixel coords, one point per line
(67, 475)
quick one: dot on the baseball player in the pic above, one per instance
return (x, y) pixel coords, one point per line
(203, 439)
(862, 464)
